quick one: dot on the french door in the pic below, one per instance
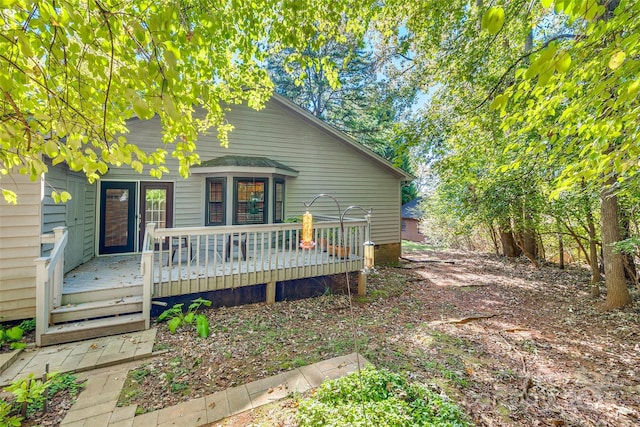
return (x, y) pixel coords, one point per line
(117, 217)
(156, 205)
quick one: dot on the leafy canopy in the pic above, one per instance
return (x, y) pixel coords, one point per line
(73, 72)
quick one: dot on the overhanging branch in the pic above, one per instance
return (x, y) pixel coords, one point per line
(521, 58)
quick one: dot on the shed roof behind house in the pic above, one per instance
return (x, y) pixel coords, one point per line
(412, 209)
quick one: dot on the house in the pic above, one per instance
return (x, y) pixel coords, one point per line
(224, 227)
(411, 216)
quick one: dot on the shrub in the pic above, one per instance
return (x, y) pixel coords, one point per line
(377, 397)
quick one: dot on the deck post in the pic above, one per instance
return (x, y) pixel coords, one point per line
(42, 300)
(147, 284)
(362, 283)
(58, 270)
(271, 292)
(147, 273)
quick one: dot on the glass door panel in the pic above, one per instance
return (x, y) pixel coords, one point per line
(117, 217)
(156, 205)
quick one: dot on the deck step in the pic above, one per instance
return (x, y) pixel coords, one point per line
(97, 309)
(89, 329)
(100, 294)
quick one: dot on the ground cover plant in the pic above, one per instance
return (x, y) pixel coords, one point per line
(176, 317)
(31, 401)
(377, 397)
(12, 336)
(511, 344)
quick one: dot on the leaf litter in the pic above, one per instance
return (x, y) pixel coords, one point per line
(512, 344)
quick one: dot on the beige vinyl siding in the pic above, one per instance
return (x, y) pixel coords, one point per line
(19, 247)
(325, 164)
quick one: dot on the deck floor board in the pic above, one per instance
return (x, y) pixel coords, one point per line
(108, 272)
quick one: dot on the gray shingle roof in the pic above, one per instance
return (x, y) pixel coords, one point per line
(245, 161)
(412, 209)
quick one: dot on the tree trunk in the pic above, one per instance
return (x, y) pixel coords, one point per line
(596, 278)
(625, 228)
(494, 239)
(617, 291)
(592, 256)
(509, 248)
(523, 250)
(529, 243)
(561, 250)
(560, 244)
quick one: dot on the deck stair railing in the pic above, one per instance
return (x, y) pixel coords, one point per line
(178, 261)
(49, 279)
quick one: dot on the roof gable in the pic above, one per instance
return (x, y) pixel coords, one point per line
(343, 138)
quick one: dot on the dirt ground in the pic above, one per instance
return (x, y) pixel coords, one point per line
(512, 344)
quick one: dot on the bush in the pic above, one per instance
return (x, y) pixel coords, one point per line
(380, 398)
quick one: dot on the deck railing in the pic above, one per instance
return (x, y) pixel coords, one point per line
(49, 277)
(177, 261)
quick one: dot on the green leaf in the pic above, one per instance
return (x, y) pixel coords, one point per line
(10, 196)
(617, 59)
(62, 197)
(170, 107)
(51, 148)
(65, 196)
(174, 324)
(202, 326)
(8, 3)
(14, 334)
(139, 32)
(189, 318)
(17, 345)
(25, 45)
(563, 62)
(493, 20)
(498, 102)
(546, 3)
(141, 108)
(137, 166)
(633, 88)
(6, 83)
(544, 77)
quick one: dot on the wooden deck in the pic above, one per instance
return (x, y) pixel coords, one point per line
(104, 273)
(108, 272)
(200, 264)
(203, 259)
(183, 261)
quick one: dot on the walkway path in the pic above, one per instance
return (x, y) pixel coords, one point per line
(80, 356)
(105, 362)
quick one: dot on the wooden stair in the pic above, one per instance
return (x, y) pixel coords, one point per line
(97, 313)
